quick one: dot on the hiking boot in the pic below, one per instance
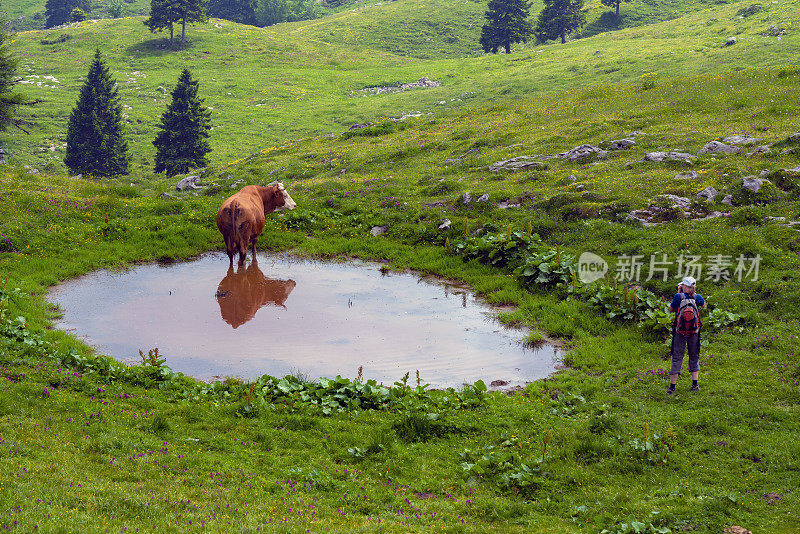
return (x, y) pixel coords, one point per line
(670, 391)
(695, 387)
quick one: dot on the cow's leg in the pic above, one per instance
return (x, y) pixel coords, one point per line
(229, 249)
(253, 240)
(244, 240)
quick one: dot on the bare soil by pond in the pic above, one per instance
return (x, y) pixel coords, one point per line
(285, 315)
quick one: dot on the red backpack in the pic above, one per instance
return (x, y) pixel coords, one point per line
(687, 319)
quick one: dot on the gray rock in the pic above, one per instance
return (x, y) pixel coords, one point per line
(774, 219)
(709, 193)
(763, 151)
(714, 215)
(741, 140)
(715, 147)
(506, 205)
(677, 202)
(167, 195)
(753, 184)
(483, 198)
(515, 164)
(730, 41)
(691, 175)
(445, 224)
(572, 178)
(585, 152)
(728, 199)
(669, 156)
(774, 31)
(620, 144)
(378, 230)
(190, 182)
(466, 198)
(77, 177)
(636, 133)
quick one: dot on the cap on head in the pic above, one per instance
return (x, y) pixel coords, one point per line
(689, 281)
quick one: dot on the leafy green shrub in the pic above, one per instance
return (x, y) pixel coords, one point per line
(501, 466)
(741, 196)
(63, 38)
(384, 128)
(547, 269)
(746, 216)
(502, 249)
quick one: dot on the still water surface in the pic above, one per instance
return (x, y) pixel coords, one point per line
(286, 315)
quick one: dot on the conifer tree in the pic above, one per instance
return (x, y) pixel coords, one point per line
(96, 144)
(241, 11)
(559, 18)
(9, 99)
(507, 23)
(182, 142)
(58, 12)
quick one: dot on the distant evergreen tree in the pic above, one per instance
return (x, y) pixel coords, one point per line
(613, 3)
(95, 141)
(182, 142)
(559, 18)
(165, 13)
(507, 23)
(241, 11)
(57, 12)
(9, 99)
(271, 12)
(77, 15)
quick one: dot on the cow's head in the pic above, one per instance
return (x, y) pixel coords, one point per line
(281, 198)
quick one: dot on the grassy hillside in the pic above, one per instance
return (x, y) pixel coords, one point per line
(268, 85)
(88, 444)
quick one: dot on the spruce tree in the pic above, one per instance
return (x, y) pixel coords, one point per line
(559, 18)
(507, 23)
(57, 12)
(95, 141)
(241, 11)
(9, 99)
(182, 142)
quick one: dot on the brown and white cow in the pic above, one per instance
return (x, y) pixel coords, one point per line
(241, 217)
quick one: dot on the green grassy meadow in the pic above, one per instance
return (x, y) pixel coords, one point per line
(88, 444)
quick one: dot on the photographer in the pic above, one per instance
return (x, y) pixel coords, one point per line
(686, 332)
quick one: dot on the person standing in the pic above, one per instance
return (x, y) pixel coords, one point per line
(686, 306)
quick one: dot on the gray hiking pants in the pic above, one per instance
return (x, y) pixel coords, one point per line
(679, 345)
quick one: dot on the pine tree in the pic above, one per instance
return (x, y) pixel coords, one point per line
(57, 12)
(241, 11)
(559, 18)
(9, 99)
(181, 144)
(507, 23)
(95, 141)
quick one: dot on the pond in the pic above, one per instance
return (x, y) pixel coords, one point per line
(285, 315)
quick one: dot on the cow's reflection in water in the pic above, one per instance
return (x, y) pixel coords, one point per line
(240, 294)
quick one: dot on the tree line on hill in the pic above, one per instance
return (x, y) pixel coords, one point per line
(163, 13)
(507, 22)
